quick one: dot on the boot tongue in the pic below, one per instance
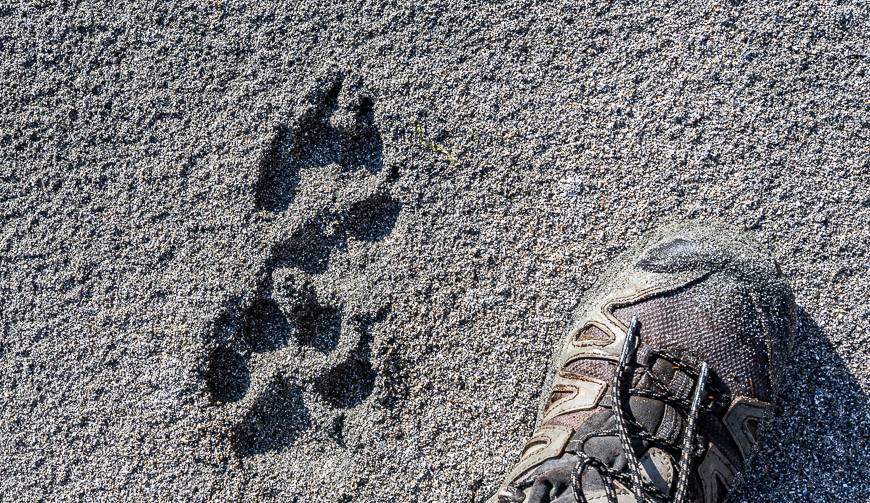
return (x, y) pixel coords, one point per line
(609, 449)
(653, 415)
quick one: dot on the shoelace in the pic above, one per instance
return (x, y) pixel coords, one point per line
(634, 482)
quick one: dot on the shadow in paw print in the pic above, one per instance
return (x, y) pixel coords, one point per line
(315, 325)
(275, 421)
(309, 248)
(330, 134)
(395, 384)
(278, 174)
(319, 327)
(345, 136)
(227, 375)
(311, 322)
(362, 146)
(266, 328)
(817, 449)
(373, 219)
(349, 383)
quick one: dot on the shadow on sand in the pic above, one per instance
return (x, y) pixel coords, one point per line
(819, 448)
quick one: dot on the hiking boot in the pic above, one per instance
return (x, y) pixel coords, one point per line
(661, 386)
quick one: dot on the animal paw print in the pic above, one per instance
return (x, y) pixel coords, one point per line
(300, 339)
(327, 134)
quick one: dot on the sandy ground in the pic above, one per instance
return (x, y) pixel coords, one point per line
(320, 252)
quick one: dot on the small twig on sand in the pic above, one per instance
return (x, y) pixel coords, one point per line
(436, 148)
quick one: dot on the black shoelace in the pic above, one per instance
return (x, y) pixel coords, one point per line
(691, 448)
